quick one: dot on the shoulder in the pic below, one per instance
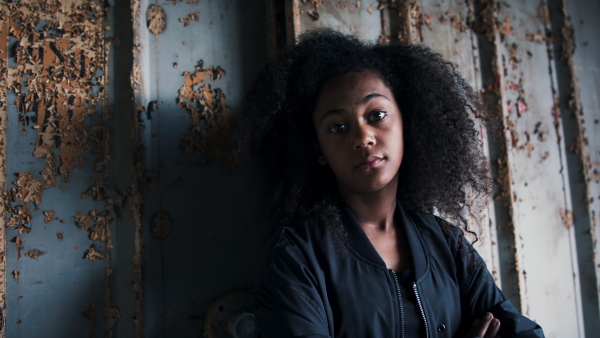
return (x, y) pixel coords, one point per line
(429, 226)
(292, 250)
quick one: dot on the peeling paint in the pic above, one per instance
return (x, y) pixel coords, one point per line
(28, 189)
(191, 17)
(458, 23)
(314, 6)
(505, 27)
(4, 199)
(156, 19)
(210, 119)
(132, 196)
(48, 216)
(68, 65)
(35, 253)
(93, 254)
(567, 218)
(59, 81)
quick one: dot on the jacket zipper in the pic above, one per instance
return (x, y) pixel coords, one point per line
(421, 308)
(399, 302)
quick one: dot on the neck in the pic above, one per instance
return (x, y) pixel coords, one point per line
(373, 210)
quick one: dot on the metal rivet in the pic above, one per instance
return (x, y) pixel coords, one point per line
(442, 328)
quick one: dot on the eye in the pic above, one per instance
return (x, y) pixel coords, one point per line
(377, 116)
(337, 127)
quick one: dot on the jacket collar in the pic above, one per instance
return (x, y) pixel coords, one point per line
(360, 243)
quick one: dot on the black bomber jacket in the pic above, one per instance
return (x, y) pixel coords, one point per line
(313, 284)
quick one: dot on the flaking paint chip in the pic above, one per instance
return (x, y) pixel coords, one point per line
(35, 253)
(48, 216)
(92, 254)
(314, 6)
(28, 189)
(156, 19)
(20, 247)
(505, 27)
(191, 17)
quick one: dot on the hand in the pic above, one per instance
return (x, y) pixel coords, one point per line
(487, 327)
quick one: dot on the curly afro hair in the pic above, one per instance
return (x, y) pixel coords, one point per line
(442, 164)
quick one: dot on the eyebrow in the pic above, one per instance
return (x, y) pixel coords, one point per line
(364, 101)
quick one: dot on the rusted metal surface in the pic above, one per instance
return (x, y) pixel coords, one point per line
(537, 173)
(3, 195)
(58, 151)
(360, 18)
(195, 203)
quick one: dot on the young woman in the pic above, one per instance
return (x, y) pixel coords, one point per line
(357, 145)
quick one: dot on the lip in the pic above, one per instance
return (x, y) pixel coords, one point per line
(369, 162)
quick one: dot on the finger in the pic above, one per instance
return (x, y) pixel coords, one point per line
(483, 325)
(493, 328)
(473, 328)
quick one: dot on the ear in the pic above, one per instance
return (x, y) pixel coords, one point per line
(317, 149)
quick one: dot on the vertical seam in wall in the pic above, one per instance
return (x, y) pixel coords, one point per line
(488, 209)
(504, 178)
(3, 194)
(508, 186)
(111, 312)
(134, 197)
(293, 21)
(564, 172)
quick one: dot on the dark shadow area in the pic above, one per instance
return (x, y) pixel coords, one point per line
(201, 238)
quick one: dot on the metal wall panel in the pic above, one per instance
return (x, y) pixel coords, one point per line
(541, 213)
(198, 237)
(57, 228)
(581, 127)
(124, 212)
(360, 18)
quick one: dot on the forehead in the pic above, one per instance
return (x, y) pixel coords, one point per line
(350, 89)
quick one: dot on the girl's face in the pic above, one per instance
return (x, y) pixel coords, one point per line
(359, 131)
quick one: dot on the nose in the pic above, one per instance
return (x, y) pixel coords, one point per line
(363, 136)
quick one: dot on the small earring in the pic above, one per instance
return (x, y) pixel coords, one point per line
(321, 160)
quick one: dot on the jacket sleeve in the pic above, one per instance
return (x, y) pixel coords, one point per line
(479, 294)
(284, 311)
(287, 303)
